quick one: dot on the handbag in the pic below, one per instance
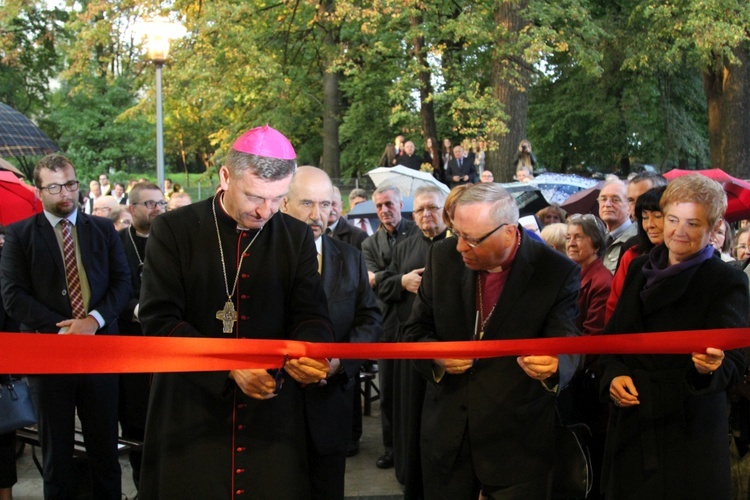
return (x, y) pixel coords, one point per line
(16, 407)
(572, 475)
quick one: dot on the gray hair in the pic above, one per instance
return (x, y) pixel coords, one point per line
(385, 188)
(657, 180)
(505, 209)
(358, 193)
(428, 189)
(269, 169)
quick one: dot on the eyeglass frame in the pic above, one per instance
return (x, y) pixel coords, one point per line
(603, 200)
(160, 204)
(55, 189)
(475, 242)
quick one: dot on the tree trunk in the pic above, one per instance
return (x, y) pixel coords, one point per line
(727, 88)
(427, 109)
(331, 161)
(511, 93)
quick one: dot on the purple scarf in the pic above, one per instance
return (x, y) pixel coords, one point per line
(657, 269)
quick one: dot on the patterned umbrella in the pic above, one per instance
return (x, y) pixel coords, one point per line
(20, 137)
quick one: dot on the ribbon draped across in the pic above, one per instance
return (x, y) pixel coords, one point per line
(36, 353)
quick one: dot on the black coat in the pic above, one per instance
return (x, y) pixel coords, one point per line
(466, 168)
(347, 232)
(674, 444)
(507, 416)
(204, 437)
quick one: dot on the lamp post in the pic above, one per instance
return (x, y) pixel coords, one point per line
(157, 33)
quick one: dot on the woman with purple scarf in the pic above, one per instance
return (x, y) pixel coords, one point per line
(667, 435)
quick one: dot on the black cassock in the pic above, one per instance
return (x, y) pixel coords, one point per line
(409, 385)
(204, 437)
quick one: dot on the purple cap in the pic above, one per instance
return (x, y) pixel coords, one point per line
(265, 141)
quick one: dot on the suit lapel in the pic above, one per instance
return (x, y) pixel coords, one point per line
(469, 288)
(83, 228)
(47, 233)
(331, 267)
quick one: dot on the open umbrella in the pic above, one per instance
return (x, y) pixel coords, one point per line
(20, 137)
(9, 166)
(584, 202)
(738, 191)
(557, 188)
(406, 179)
(530, 198)
(17, 199)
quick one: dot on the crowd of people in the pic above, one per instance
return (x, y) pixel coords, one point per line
(271, 256)
(455, 165)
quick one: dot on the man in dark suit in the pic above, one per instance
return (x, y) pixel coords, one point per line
(409, 159)
(355, 317)
(339, 228)
(146, 203)
(65, 271)
(378, 251)
(460, 170)
(491, 422)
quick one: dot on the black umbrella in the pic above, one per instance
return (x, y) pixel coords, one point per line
(529, 197)
(20, 137)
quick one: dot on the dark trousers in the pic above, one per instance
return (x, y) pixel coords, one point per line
(326, 475)
(357, 411)
(461, 481)
(57, 397)
(386, 374)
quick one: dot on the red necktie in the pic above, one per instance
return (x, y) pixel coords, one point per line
(363, 225)
(71, 271)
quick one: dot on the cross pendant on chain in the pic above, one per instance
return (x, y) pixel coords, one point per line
(228, 316)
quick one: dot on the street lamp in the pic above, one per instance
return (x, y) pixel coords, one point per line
(157, 34)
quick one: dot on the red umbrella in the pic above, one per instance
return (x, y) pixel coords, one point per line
(17, 199)
(584, 202)
(738, 191)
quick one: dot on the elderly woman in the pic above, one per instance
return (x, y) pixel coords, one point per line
(650, 224)
(668, 429)
(584, 244)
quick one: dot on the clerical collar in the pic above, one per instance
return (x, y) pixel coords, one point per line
(505, 266)
(437, 237)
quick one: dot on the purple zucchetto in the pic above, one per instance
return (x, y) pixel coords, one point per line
(265, 141)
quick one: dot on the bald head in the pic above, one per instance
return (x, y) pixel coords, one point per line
(310, 198)
(104, 205)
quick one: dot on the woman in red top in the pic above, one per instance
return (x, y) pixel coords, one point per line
(650, 233)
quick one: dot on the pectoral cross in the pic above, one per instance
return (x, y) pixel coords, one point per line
(228, 316)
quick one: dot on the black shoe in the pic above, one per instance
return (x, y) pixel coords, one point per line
(352, 449)
(385, 461)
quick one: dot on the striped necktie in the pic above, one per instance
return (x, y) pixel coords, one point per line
(71, 271)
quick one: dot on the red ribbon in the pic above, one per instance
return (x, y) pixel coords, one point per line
(24, 353)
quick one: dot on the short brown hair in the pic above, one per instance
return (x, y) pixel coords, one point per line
(54, 162)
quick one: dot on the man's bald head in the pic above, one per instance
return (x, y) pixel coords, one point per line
(309, 198)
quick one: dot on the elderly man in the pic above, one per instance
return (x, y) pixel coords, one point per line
(63, 271)
(491, 422)
(339, 228)
(104, 205)
(232, 267)
(460, 170)
(613, 210)
(356, 318)
(146, 203)
(639, 185)
(409, 159)
(378, 252)
(398, 289)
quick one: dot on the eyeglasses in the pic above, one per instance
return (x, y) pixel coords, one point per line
(431, 209)
(590, 217)
(56, 188)
(475, 242)
(151, 204)
(614, 200)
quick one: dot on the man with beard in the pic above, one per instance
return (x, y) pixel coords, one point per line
(355, 317)
(378, 251)
(146, 203)
(398, 289)
(231, 267)
(64, 271)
